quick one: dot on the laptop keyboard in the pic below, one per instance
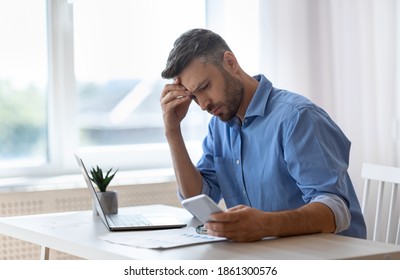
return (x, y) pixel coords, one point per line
(128, 220)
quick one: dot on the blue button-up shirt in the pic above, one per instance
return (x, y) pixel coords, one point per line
(286, 153)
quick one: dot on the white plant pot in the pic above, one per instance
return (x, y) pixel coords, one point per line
(108, 201)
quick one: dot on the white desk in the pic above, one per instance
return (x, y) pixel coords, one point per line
(77, 233)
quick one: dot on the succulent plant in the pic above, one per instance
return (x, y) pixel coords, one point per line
(99, 179)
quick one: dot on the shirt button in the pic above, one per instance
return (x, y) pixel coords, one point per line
(237, 161)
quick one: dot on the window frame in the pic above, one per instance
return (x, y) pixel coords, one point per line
(63, 136)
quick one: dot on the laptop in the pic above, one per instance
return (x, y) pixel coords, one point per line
(118, 222)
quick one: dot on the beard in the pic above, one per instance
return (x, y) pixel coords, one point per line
(233, 96)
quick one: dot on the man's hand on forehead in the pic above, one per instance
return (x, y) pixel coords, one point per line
(177, 81)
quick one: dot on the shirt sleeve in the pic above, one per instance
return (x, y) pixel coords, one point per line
(205, 190)
(317, 154)
(339, 209)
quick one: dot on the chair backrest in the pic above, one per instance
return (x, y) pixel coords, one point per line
(378, 181)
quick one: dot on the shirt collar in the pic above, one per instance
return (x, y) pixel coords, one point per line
(258, 103)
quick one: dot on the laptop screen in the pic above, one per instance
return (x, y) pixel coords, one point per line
(92, 191)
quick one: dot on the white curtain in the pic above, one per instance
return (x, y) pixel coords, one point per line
(343, 55)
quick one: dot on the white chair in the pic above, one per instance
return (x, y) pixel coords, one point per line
(379, 179)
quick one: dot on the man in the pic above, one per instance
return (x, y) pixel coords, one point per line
(278, 161)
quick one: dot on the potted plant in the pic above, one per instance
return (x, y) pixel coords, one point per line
(108, 199)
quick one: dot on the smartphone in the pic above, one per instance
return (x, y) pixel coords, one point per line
(201, 207)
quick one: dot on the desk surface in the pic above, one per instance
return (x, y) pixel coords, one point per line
(77, 233)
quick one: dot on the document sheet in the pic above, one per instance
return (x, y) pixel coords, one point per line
(160, 239)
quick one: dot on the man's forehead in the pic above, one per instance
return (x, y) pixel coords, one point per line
(195, 74)
(195, 85)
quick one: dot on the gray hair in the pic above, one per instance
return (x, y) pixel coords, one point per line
(195, 43)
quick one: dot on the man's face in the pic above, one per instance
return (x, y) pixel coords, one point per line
(213, 89)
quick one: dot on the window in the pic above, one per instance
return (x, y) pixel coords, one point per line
(103, 61)
(83, 76)
(23, 83)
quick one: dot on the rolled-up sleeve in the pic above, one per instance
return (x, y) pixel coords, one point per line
(339, 208)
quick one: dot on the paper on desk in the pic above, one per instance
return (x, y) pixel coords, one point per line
(160, 239)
